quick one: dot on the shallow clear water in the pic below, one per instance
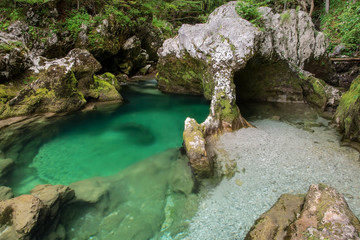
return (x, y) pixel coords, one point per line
(290, 148)
(104, 142)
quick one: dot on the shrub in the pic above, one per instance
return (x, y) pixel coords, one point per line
(248, 9)
(342, 25)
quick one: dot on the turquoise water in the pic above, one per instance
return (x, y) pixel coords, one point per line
(106, 141)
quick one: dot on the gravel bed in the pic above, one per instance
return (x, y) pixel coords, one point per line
(273, 159)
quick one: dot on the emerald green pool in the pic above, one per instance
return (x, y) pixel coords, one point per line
(106, 141)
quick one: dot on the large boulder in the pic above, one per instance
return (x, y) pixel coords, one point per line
(203, 58)
(322, 214)
(14, 57)
(347, 115)
(132, 56)
(19, 217)
(53, 197)
(32, 216)
(272, 224)
(60, 85)
(325, 214)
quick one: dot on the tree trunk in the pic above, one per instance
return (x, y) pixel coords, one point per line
(312, 7)
(327, 6)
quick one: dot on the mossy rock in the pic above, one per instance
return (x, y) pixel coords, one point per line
(7, 93)
(226, 110)
(53, 91)
(314, 92)
(273, 223)
(103, 90)
(184, 75)
(110, 78)
(347, 115)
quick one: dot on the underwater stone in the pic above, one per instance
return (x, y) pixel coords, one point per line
(5, 193)
(6, 166)
(90, 190)
(53, 197)
(19, 217)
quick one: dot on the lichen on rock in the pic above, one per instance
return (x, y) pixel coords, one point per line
(322, 214)
(194, 143)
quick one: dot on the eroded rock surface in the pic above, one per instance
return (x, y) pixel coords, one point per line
(194, 143)
(322, 214)
(325, 215)
(20, 217)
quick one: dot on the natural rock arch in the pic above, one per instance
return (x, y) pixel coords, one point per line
(203, 59)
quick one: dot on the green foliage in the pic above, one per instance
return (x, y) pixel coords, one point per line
(285, 16)
(165, 27)
(248, 9)
(342, 25)
(31, 1)
(8, 16)
(76, 19)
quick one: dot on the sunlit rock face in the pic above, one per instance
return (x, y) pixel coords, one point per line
(203, 58)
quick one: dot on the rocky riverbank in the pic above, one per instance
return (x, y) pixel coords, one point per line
(272, 159)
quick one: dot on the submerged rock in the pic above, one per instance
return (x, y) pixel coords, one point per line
(20, 217)
(90, 190)
(5, 193)
(322, 214)
(6, 166)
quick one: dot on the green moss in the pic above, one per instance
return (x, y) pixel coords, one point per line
(184, 75)
(227, 111)
(285, 16)
(347, 113)
(110, 78)
(314, 92)
(7, 93)
(103, 90)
